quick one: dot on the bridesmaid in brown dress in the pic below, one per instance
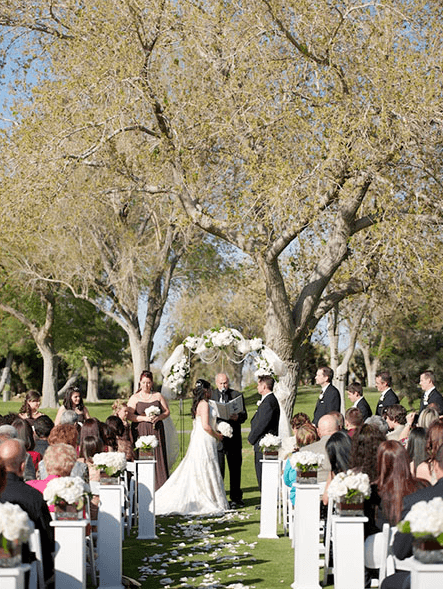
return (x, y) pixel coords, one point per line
(147, 426)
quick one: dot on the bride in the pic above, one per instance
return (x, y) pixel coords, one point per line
(196, 486)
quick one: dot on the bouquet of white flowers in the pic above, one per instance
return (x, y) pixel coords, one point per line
(64, 491)
(112, 463)
(306, 461)
(152, 411)
(349, 485)
(14, 524)
(425, 520)
(225, 429)
(146, 443)
(270, 442)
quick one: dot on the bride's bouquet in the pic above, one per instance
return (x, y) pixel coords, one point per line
(225, 429)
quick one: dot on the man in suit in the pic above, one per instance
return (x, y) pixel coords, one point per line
(355, 395)
(402, 546)
(329, 399)
(383, 382)
(13, 456)
(265, 420)
(231, 448)
(327, 425)
(430, 393)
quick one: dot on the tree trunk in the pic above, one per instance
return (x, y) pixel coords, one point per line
(6, 374)
(50, 374)
(69, 383)
(139, 354)
(371, 365)
(92, 390)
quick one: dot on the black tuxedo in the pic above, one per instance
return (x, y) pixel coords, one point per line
(434, 397)
(364, 408)
(232, 447)
(329, 402)
(389, 399)
(265, 421)
(402, 545)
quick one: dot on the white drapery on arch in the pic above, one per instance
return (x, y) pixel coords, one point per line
(208, 347)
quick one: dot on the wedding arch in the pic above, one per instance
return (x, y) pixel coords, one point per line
(209, 346)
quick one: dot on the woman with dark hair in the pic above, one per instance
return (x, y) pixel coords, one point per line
(434, 439)
(148, 409)
(196, 486)
(89, 446)
(73, 402)
(416, 448)
(338, 448)
(115, 437)
(30, 408)
(25, 433)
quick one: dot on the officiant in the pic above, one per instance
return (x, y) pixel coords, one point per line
(231, 448)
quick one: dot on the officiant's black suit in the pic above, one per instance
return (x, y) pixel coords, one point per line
(265, 421)
(231, 447)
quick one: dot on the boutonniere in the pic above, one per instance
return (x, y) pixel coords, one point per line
(259, 402)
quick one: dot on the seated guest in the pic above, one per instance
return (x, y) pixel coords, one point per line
(69, 416)
(89, 446)
(402, 545)
(355, 395)
(305, 434)
(25, 433)
(434, 439)
(416, 448)
(59, 461)
(120, 409)
(8, 432)
(353, 420)
(299, 419)
(13, 456)
(327, 425)
(42, 428)
(340, 419)
(396, 419)
(65, 434)
(378, 422)
(427, 417)
(338, 448)
(116, 440)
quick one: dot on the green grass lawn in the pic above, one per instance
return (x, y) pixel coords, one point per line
(212, 552)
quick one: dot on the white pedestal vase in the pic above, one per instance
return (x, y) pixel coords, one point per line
(348, 541)
(70, 553)
(13, 577)
(146, 499)
(109, 542)
(426, 576)
(269, 498)
(306, 536)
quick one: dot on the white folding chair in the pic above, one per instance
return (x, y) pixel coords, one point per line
(91, 561)
(36, 579)
(327, 569)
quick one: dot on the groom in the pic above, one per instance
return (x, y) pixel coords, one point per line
(265, 420)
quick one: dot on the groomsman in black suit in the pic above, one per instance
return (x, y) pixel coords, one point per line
(383, 382)
(231, 447)
(355, 395)
(265, 420)
(329, 399)
(402, 546)
(430, 393)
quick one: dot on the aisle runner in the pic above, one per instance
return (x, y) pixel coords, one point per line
(198, 573)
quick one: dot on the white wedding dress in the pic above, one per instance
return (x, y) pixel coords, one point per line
(196, 486)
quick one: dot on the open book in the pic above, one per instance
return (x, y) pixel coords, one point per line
(225, 410)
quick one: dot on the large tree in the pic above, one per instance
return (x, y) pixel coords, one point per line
(298, 130)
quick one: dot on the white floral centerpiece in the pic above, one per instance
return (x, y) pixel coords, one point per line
(177, 376)
(306, 464)
(225, 429)
(349, 489)
(146, 443)
(306, 461)
(269, 444)
(425, 522)
(111, 463)
(66, 491)
(15, 528)
(152, 411)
